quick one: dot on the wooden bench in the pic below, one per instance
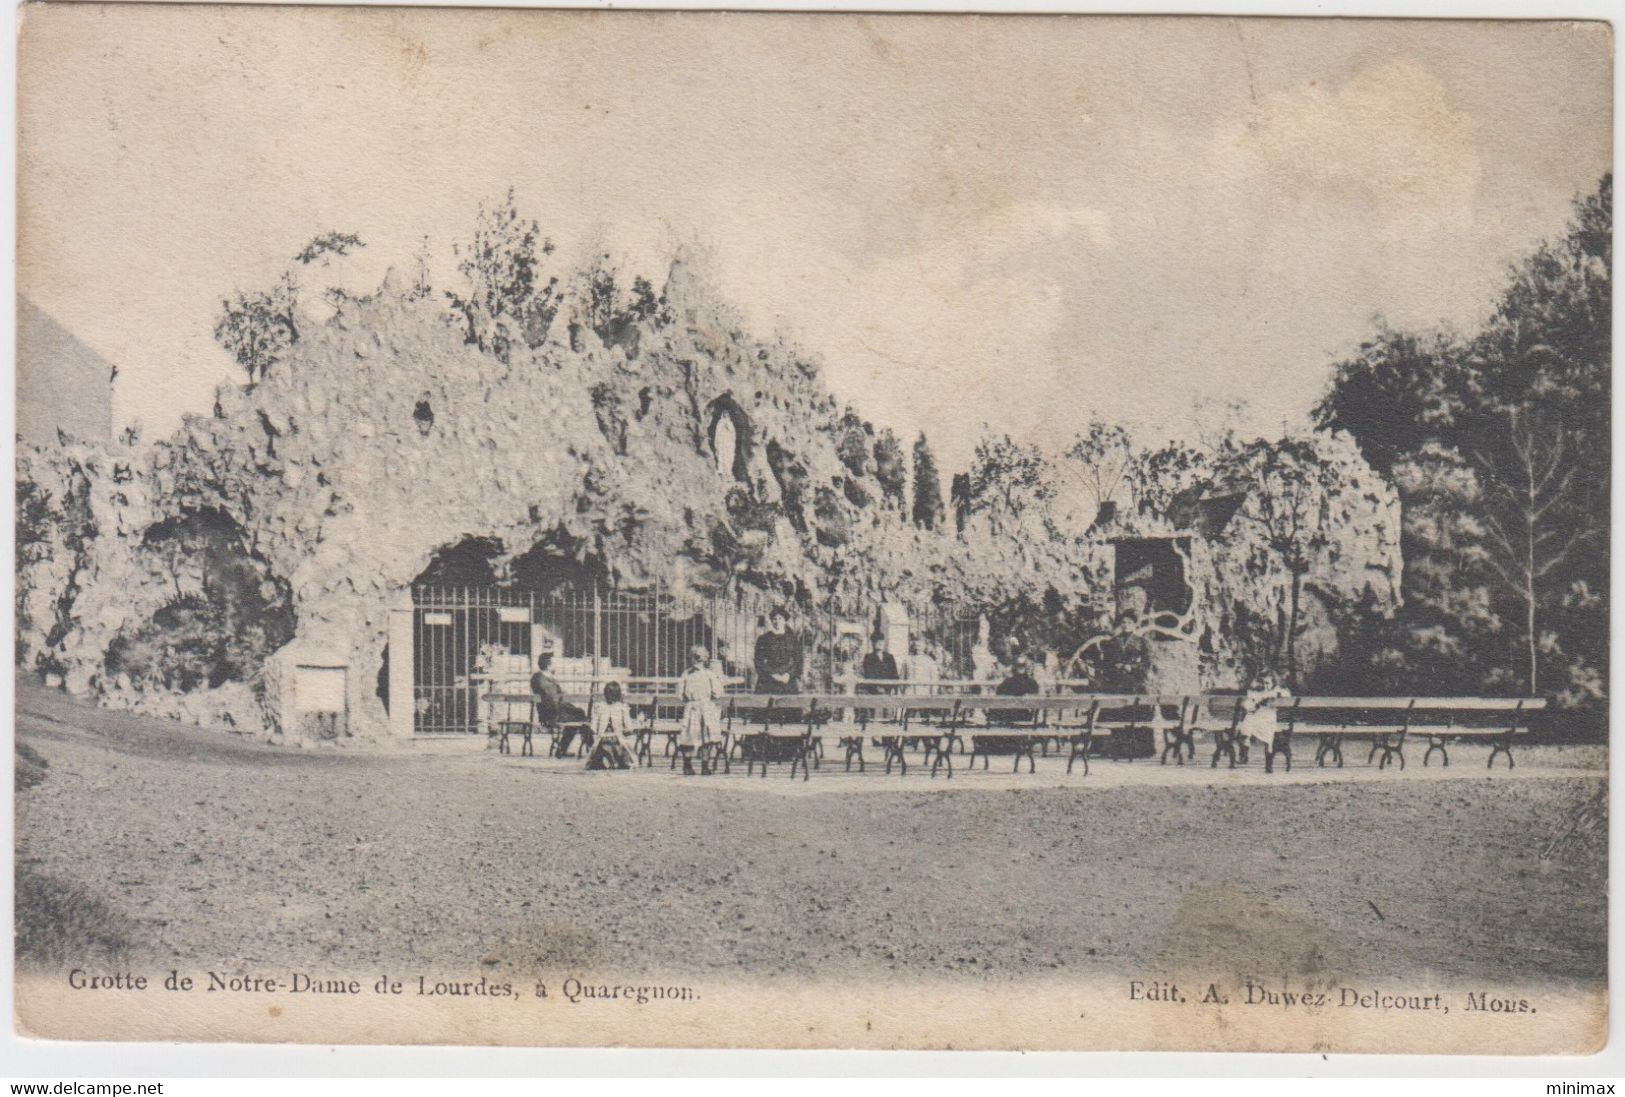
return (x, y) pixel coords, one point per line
(777, 728)
(1441, 720)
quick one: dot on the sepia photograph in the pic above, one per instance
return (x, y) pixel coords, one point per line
(607, 529)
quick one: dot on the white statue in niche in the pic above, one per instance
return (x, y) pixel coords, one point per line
(725, 444)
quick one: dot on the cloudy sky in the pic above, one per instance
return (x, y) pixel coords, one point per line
(1023, 221)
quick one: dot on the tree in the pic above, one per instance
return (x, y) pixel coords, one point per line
(1288, 510)
(257, 329)
(1500, 446)
(1007, 478)
(1535, 513)
(1104, 455)
(1394, 394)
(1157, 477)
(928, 510)
(328, 244)
(507, 298)
(852, 443)
(891, 469)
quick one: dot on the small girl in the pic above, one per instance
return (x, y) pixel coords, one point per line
(1258, 719)
(611, 719)
(700, 690)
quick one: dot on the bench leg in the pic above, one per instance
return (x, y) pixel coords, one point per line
(1331, 746)
(1436, 743)
(895, 753)
(1390, 751)
(1025, 750)
(854, 749)
(1224, 744)
(1501, 746)
(527, 749)
(942, 757)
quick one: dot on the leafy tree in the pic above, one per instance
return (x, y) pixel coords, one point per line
(328, 243)
(1007, 478)
(1105, 456)
(614, 316)
(258, 329)
(1394, 394)
(928, 509)
(1158, 476)
(507, 298)
(1289, 510)
(852, 443)
(1499, 444)
(891, 469)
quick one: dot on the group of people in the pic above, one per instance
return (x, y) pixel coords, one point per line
(779, 665)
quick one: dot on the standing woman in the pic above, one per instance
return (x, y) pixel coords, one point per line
(699, 689)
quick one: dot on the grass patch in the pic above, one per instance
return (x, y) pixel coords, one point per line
(59, 924)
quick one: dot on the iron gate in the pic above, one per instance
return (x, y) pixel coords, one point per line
(467, 638)
(459, 633)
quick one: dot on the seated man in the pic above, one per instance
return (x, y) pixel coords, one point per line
(879, 665)
(1020, 683)
(552, 710)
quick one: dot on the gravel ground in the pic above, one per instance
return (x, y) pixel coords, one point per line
(184, 846)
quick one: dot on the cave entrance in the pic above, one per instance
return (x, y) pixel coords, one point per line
(471, 639)
(228, 613)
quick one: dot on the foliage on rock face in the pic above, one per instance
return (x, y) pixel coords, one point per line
(1500, 446)
(55, 525)
(928, 512)
(1316, 525)
(227, 613)
(506, 302)
(853, 441)
(257, 328)
(1008, 478)
(1304, 533)
(891, 469)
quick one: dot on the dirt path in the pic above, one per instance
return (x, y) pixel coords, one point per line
(189, 846)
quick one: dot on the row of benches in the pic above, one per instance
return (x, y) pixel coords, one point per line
(759, 728)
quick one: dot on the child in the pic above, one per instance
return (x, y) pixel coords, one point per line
(611, 719)
(1258, 719)
(700, 690)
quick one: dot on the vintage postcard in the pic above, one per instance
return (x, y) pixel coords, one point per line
(695, 529)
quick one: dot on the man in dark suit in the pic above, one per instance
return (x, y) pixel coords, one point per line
(552, 710)
(879, 665)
